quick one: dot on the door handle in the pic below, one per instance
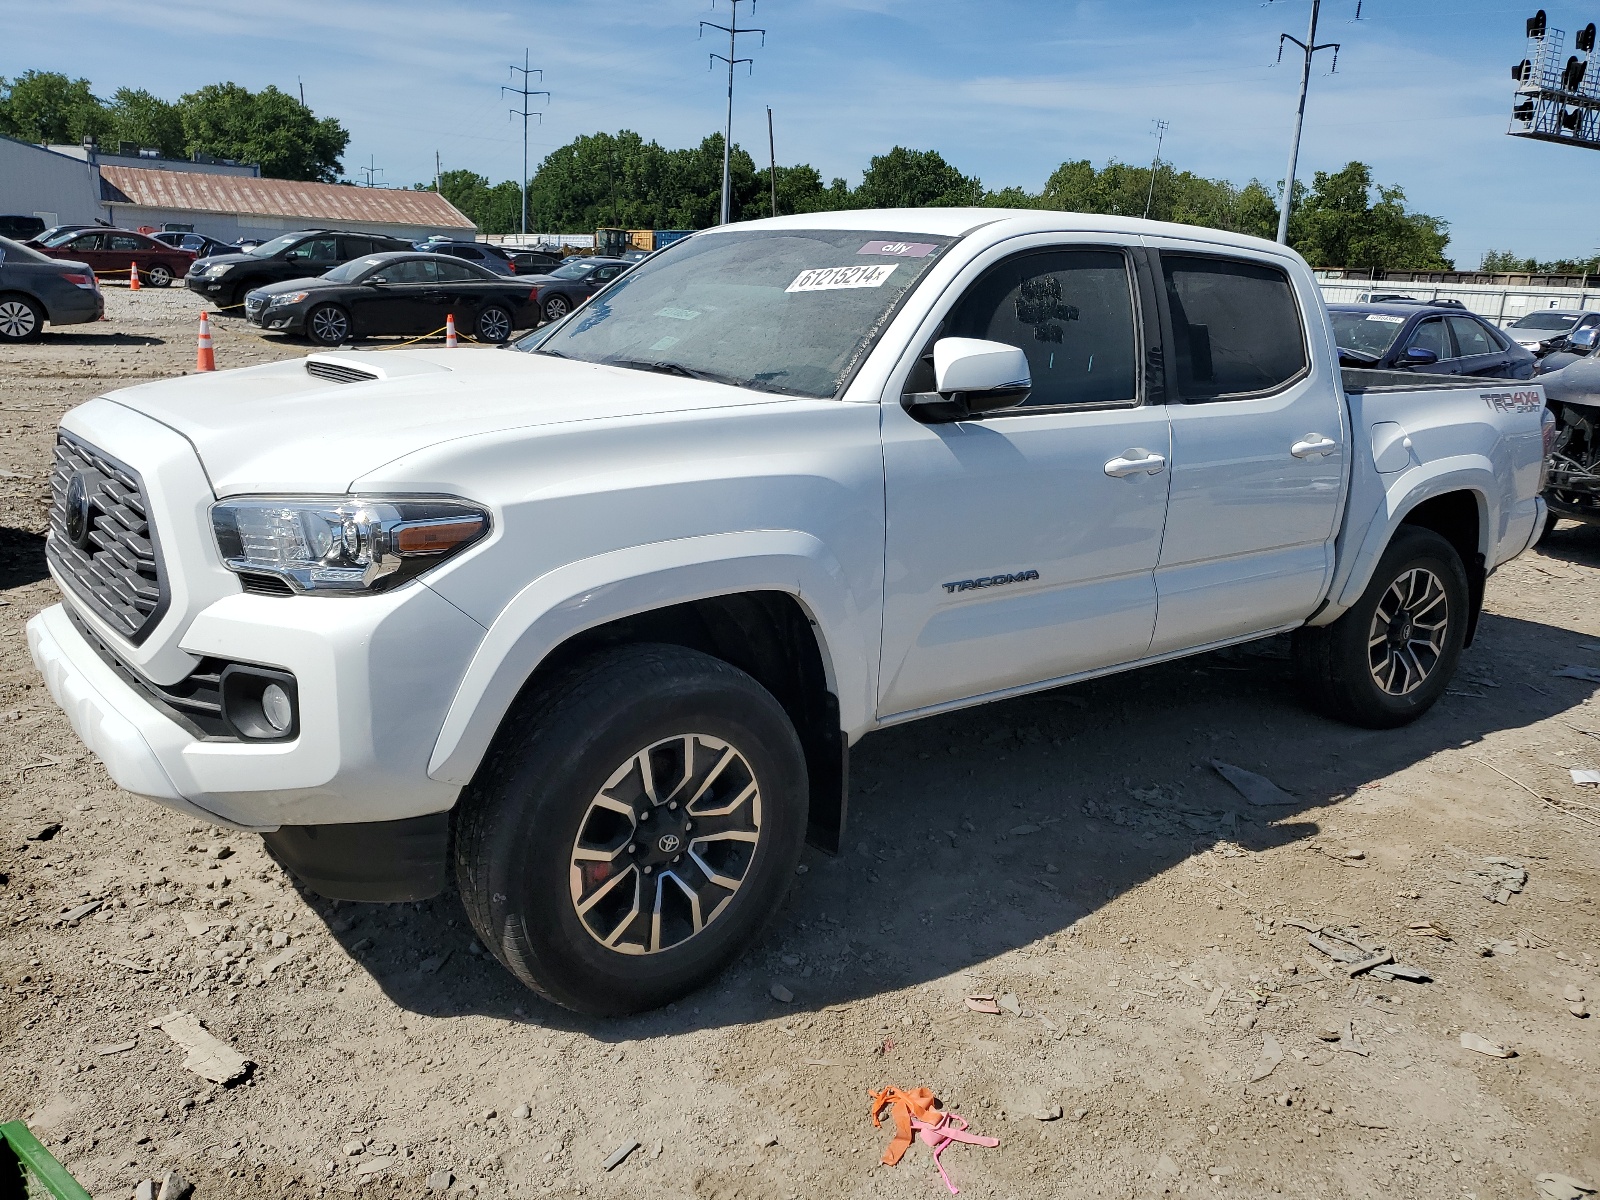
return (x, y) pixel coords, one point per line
(1314, 443)
(1137, 461)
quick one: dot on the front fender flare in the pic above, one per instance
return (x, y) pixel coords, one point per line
(623, 583)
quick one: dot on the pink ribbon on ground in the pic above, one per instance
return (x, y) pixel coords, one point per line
(950, 1127)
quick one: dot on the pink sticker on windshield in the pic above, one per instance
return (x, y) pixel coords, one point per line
(899, 249)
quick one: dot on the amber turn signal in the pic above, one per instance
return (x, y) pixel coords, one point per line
(436, 537)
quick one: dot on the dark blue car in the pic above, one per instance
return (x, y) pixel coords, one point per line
(1426, 338)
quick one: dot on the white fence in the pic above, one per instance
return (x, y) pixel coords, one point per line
(1500, 303)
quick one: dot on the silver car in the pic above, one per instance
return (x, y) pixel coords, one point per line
(1548, 329)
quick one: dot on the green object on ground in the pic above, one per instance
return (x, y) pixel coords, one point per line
(30, 1172)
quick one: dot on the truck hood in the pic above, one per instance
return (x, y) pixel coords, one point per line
(280, 428)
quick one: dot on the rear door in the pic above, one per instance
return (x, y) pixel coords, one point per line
(1478, 351)
(1258, 448)
(1020, 547)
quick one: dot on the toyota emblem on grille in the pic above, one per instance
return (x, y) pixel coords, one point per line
(77, 515)
(669, 844)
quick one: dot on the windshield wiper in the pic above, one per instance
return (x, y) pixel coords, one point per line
(672, 368)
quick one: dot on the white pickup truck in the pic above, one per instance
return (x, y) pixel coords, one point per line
(587, 626)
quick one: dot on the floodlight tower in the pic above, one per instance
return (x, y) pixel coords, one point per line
(1557, 101)
(733, 31)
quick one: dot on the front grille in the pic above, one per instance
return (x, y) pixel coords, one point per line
(337, 372)
(254, 304)
(194, 702)
(114, 565)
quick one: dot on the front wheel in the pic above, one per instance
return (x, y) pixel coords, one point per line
(1388, 659)
(328, 325)
(635, 824)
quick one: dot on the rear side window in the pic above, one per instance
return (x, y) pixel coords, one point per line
(123, 242)
(454, 272)
(1236, 328)
(1471, 337)
(1071, 312)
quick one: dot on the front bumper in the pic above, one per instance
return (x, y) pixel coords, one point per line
(374, 675)
(288, 319)
(211, 289)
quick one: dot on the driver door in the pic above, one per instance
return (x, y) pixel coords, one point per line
(1020, 547)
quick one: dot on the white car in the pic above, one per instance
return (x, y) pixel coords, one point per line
(591, 624)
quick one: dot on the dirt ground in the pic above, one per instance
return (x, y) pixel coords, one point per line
(1143, 930)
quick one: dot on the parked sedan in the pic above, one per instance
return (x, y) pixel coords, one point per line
(1430, 339)
(534, 262)
(114, 251)
(225, 278)
(1548, 329)
(570, 284)
(197, 244)
(395, 293)
(35, 288)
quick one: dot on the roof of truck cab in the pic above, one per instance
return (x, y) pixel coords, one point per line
(955, 222)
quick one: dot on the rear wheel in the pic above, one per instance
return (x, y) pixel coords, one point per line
(556, 307)
(328, 325)
(1388, 659)
(159, 275)
(636, 823)
(21, 320)
(494, 325)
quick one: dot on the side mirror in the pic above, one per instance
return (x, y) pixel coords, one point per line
(972, 377)
(1419, 357)
(377, 279)
(1584, 340)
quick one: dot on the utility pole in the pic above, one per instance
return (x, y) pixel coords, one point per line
(302, 84)
(772, 154)
(1308, 49)
(371, 170)
(1155, 165)
(525, 93)
(436, 170)
(732, 59)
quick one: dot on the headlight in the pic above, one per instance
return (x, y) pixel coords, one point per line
(287, 298)
(342, 544)
(217, 270)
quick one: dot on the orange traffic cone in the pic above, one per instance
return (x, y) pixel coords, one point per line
(450, 331)
(133, 278)
(204, 358)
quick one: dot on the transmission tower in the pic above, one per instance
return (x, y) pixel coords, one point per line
(1155, 164)
(733, 30)
(1308, 50)
(526, 94)
(371, 170)
(1557, 101)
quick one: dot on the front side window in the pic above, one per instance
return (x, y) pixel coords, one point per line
(1471, 338)
(90, 241)
(790, 311)
(1071, 312)
(1236, 328)
(1432, 335)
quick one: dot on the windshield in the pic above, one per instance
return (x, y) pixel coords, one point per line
(268, 249)
(1369, 333)
(572, 271)
(347, 272)
(791, 311)
(1546, 320)
(57, 239)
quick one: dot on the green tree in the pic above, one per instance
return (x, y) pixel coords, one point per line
(1339, 225)
(46, 106)
(137, 116)
(268, 127)
(915, 179)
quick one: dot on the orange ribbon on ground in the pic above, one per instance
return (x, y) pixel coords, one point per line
(920, 1103)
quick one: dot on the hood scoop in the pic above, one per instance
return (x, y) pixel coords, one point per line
(337, 372)
(369, 366)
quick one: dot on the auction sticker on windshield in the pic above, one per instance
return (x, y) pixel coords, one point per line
(827, 279)
(1385, 319)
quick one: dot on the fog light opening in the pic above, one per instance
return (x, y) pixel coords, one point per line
(276, 707)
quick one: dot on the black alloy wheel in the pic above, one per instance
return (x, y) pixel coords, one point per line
(494, 325)
(634, 826)
(20, 319)
(328, 325)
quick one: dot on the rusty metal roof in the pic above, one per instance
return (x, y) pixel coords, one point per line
(197, 192)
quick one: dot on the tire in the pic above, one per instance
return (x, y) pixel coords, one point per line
(1345, 674)
(564, 768)
(21, 319)
(493, 325)
(556, 307)
(1551, 520)
(159, 275)
(328, 325)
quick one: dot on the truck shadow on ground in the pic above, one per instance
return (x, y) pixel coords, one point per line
(21, 557)
(1573, 543)
(977, 832)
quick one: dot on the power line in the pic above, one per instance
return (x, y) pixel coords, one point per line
(1155, 164)
(1308, 49)
(731, 58)
(525, 92)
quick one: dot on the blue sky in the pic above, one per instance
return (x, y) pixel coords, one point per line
(1005, 89)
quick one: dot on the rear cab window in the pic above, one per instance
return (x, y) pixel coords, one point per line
(1237, 330)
